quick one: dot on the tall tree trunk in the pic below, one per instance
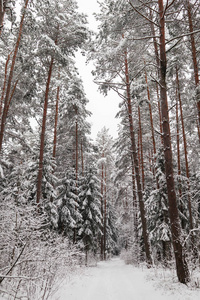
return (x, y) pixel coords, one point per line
(76, 148)
(7, 96)
(158, 69)
(152, 128)
(55, 125)
(194, 58)
(82, 160)
(137, 174)
(105, 216)
(135, 205)
(4, 84)
(150, 115)
(76, 160)
(2, 13)
(102, 210)
(186, 159)
(56, 118)
(11, 96)
(178, 156)
(140, 148)
(181, 265)
(42, 139)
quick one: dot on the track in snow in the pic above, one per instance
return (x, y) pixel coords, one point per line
(112, 280)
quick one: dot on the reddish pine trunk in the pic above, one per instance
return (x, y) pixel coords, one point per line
(11, 96)
(7, 96)
(135, 158)
(42, 139)
(181, 265)
(194, 58)
(4, 84)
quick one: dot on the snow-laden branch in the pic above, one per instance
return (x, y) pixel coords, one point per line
(182, 35)
(191, 231)
(2, 277)
(143, 16)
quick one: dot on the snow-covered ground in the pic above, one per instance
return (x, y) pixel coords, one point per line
(113, 280)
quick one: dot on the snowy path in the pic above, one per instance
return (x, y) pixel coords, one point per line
(113, 280)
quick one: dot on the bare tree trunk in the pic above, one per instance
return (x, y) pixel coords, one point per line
(186, 160)
(152, 128)
(178, 155)
(2, 13)
(135, 205)
(4, 84)
(76, 160)
(42, 139)
(56, 119)
(11, 96)
(136, 165)
(105, 216)
(194, 58)
(102, 210)
(150, 114)
(6, 100)
(181, 265)
(140, 148)
(158, 68)
(76, 150)
(82, 160)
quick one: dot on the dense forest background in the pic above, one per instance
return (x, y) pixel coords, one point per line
(67, 200)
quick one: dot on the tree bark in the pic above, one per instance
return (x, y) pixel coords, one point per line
(4, 84)
(194, 58)
(158, 69)
(186, 163)
(135, 205)
(56, 119)
(11, 96)
(6, 100)
(105, 217)
(178, 153)
(2, 13)
(136, 165)
(42, 139)
(102, 210)
(76, 160)
(181, 265)
(150, 115)
(152, 128)
(140, 148)
(82, 160)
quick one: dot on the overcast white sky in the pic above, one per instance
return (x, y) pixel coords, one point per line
(103, 108)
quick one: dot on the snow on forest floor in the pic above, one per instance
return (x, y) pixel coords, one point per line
(113, 280)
